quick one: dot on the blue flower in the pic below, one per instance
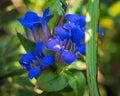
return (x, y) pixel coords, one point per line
(81, 49)
(68, 56)
(31, 20)
(55, 44)
(100, 31)
(62, 33)
(77, 19)
(34, 62)
(68, 39)
(75, 33)
(45, 18)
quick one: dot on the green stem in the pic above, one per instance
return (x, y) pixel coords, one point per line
(91, 54)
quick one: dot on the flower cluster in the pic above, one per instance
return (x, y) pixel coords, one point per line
(65, 42)
(69, 38)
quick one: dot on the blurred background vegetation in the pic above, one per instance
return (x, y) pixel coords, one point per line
(12, 80)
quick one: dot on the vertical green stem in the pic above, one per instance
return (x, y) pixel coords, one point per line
(91, 54)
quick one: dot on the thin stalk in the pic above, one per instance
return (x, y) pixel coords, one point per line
(91, 51)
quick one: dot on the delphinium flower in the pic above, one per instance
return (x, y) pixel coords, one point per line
(35, 62)
(31, 21)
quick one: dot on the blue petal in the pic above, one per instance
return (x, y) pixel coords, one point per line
(69, 26)
(77, 35)
(68, 57)
(77, 19)
(72, 17)
(33, 73)
(45, 27)
(81, 48)
(46, 19)
(62, 33)
(53, 44)
(39, 48)
(24, 22)
(32, 17)
(48, 60)
(26, 59)
(100, 31)
(82, 21)
(46, 12)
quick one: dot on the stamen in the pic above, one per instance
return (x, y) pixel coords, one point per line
(68, 45)
(34, 64)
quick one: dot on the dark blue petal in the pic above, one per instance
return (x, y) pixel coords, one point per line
(69, 26)
(24, 22)
(48, 60)
(100, 31)
(39, 48)
(77, 35)
(45, 28)
(26, 59)
(77, 19)
(62, 33)
(81, 48)
(32, 17)
(53, 44)
(72, 17)
(46, 12)
(82, 21)
(68, 57)
(46, 19)
(33, 73)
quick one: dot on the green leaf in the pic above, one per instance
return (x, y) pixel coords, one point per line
(58, 7)
(56, 84)
(91, 55)
(27, 44)
(46, 76)
(76, 65)
(13, 73)
(77, 82)
(64, 2)
(50, 94)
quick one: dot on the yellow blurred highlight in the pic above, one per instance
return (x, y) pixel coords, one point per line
(115, 9)
(106, 23)
(33, 81)
(38, 5)
(16, 63)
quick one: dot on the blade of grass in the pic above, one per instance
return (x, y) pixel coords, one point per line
(91, 60)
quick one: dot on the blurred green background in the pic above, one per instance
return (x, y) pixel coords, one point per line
(12, 80)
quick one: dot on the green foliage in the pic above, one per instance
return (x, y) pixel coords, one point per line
(10, 71)
(50, 94)
(46, 75)
(58, 6)
(76, 81)
(76, 65)
(91, 55)
(9, 54)
(27, 44)
(50, 81)
(13, 73)
(14, 83)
